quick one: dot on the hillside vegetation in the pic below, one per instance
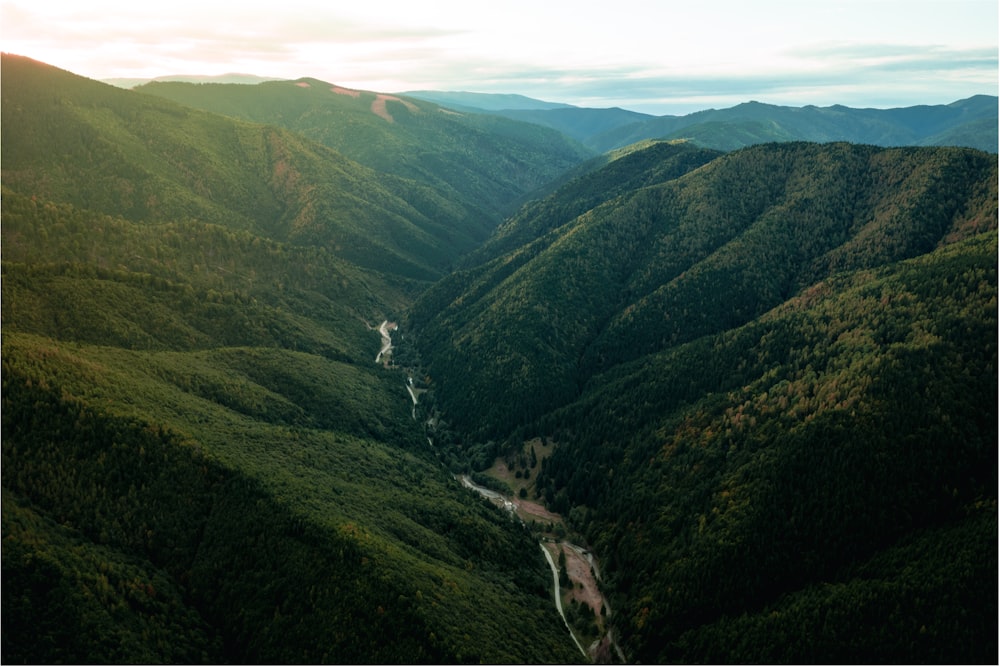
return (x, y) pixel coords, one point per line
(479, 164)
(761, 386)
(201, 460)
(144, 158)
(772, 385)
(668, 263)
(970, 123)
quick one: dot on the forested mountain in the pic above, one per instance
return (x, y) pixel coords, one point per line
(118, 152)
(969, 122)
(480, 163)
(771, 381)
(201, 460)
(764, 381)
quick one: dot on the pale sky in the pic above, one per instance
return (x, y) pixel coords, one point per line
(661, 57)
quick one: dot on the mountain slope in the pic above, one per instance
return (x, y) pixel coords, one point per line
(124, 153)
(695, 255)
(828, 469)
(579, 123)
(771, 381)
(201, 460)
(970, 123)
(480, 164)
(479, 102)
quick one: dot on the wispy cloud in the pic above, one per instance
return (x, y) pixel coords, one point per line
(654, 57)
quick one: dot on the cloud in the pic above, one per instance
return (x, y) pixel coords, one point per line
(869, 74)
(655, 58)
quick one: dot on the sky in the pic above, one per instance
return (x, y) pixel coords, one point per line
(654, 56)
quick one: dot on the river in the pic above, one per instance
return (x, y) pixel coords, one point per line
(385, 331)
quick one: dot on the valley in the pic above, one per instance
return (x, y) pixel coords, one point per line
(579, 565)
(743, 398)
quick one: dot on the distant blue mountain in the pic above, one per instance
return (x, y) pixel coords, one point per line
(969, 122)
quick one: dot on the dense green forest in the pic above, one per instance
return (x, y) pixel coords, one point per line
(770, 380)
(970, 123)
(201, 460)
(764, 382)
(673, 261)
(481, 164)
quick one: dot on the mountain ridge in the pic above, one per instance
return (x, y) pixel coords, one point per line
(233, 77)
(483, 163)
(924, 124)
(758, 385)
(202, 461)
(605, 129)
(728, 364)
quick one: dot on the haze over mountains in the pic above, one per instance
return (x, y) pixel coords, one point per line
(971, 122)
(757, 382)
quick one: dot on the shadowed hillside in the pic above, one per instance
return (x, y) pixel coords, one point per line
(771, 381)
(759, 386)
(201, 460)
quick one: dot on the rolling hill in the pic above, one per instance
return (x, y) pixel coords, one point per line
(478, 102)
(123, 153)
(969, 122)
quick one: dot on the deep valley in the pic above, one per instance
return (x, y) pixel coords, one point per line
(293, 373)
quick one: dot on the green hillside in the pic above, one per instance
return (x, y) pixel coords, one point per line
(201, 460)
(763, 385)
(123, 153)
(816, 485)
(969, 123)
(772, 386)
(671, 262)
(479, 164)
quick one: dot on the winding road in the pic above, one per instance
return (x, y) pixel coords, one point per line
(499, 500)
(558, 595)
(386, 350)
(503, 502)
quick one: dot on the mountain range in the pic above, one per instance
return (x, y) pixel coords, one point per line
(756, 384)
(970, 122)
